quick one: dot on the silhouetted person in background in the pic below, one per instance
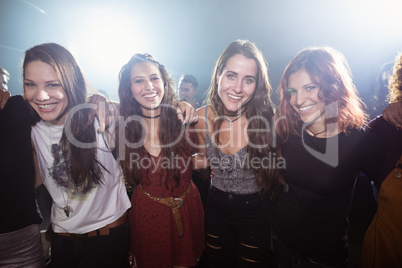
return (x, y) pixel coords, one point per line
(188, 88)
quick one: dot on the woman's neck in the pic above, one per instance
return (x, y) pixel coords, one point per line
(317, 129)
(238, 112)
(150, 113)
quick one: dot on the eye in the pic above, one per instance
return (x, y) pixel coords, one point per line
(138, 81)
(54, 85)
(28, 84)
(291, 91)
(231, 76)
(311, 88)
(155, 78)
(250, 80)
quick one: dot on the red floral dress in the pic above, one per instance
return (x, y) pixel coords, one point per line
(155, 241)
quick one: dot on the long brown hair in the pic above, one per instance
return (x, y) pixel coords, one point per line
(170, 128)
(259, 108)
(85, 168)
(329, 69)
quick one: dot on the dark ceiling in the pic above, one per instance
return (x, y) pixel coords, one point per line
(188, 35)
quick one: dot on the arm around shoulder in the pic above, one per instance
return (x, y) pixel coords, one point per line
(393, 114)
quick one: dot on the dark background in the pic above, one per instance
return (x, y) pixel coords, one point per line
(188, 35)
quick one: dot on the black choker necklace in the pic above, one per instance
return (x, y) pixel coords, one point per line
(233, 120)
(318, 133)
(233, 115)
(150, 117)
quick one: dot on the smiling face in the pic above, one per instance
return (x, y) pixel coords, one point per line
(304, 97)
(237, 82)
(44, 92)
(147, 86)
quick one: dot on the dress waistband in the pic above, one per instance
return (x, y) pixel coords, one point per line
(174, 203)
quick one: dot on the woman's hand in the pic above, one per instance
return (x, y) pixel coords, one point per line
(393, 114)
(4, 96)
(106, 111)
(186, 113)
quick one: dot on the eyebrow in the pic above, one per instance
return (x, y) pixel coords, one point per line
(310, 84)
(142, 76)
(248, 76)
(50, 81)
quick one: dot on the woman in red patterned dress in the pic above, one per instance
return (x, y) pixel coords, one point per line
(167, 217)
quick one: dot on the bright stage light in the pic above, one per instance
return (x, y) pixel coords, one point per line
(106, 42)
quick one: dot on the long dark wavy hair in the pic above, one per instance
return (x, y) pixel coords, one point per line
(259, 108)
(329, 69)
(85, 171)
(170, 128)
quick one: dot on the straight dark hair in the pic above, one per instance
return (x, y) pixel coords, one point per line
(85, 168)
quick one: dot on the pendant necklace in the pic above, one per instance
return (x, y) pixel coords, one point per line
(67, 209)
(318, 133)
(233, 120)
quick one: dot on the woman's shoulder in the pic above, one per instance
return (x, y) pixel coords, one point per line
(202, 119)
(201, 111)
(363, 140)
(380, 126)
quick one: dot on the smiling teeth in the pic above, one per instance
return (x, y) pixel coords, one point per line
(234, 97)
(46, 106)
(303, 109)
(150, 95)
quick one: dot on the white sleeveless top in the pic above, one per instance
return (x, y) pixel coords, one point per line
(91, 208)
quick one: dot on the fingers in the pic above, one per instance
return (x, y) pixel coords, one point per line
(187, 117)
(186, 113)
(179, 114)
(393, 114)
(193, 118)
(188, 120)
(189, 114)
(393, 120)
(4, 96)
(101, 112)
(102, 119)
